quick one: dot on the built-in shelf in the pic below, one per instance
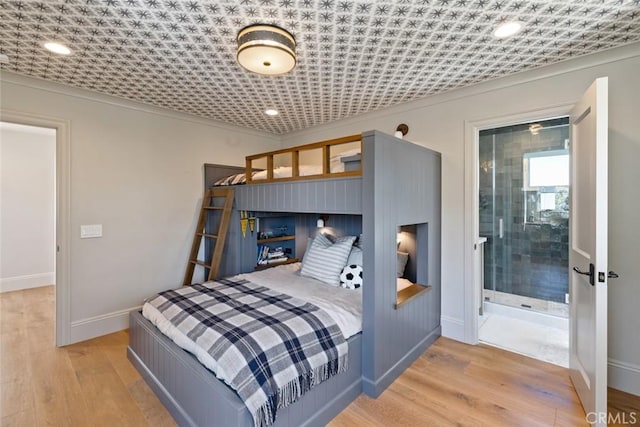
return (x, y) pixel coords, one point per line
(409, 293)
(276, 239)
(273, 264)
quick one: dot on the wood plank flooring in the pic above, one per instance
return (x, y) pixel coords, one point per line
(93, 383)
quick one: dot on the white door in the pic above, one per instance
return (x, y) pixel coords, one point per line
(588, 251)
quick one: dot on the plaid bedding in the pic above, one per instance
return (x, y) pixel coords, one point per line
(269, 347)
(239, 178)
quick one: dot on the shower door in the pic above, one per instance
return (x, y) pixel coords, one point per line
(524, 211)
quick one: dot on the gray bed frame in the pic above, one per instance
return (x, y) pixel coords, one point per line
(195, 397)
(395, 173)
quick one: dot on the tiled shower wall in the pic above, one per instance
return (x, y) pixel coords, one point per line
(531, 258)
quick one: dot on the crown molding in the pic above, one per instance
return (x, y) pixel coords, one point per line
(85, 94)
(609, 56)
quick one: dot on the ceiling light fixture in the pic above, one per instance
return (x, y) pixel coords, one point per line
(507, 29)
(535, 128)
(57, 48)
(266, 49)
(271, 112)
(4, 59)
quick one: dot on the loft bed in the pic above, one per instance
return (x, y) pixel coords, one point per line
(333, 158)
(389, 194)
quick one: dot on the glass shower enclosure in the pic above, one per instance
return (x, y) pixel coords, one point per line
(524, 212)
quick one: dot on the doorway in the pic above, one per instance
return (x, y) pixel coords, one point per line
(28, 206)
(28, 241)
(523, 219)
(62, 213)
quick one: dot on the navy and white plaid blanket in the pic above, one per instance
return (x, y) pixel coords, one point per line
(269, 347)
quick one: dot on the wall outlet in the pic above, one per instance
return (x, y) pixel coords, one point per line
(90, 231)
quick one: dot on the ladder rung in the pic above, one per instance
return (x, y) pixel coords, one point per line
(209, 205)
(211, 236)
(203, 264)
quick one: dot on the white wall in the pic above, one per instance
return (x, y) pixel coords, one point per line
(27, 206)
(439, 123)
(138, 171)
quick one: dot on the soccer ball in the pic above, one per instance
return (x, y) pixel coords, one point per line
(351, 276)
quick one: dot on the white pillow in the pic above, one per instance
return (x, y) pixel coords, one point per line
(403, 257)
(355, 256)
(325, 260)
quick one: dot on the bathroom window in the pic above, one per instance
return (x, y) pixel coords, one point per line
(546, 186)
(546, 169)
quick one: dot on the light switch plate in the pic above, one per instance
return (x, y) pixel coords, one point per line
(90, 231)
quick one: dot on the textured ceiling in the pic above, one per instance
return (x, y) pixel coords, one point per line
(354, 56)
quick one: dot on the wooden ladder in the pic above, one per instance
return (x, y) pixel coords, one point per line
(210, 208)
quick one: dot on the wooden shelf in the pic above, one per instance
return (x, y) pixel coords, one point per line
(288, 261)
(277, 239)
(409, 293)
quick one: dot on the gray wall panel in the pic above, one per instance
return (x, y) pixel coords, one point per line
(401, 185)
(334, 195)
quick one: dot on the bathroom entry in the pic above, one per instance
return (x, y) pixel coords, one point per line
(524, 214)
(524, 217)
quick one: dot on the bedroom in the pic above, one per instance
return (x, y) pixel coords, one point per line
(123, 154)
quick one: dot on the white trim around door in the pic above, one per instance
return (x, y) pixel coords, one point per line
(63, 213)
(471, 206)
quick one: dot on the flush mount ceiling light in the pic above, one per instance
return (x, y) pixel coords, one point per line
(57, 48)
(507, 29)
(266, 49)
(271, 112)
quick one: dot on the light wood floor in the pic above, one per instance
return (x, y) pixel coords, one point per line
(93, 383)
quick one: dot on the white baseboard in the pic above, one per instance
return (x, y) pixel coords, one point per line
(85, 329)
(18, 283)
(624, 376)
(452, 328)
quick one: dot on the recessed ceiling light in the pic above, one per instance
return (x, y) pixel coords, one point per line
(57, 48)
(271, 112)
(4, 59)
(507, 29)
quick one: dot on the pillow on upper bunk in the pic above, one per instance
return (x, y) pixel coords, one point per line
(325, 260)
(403, 257)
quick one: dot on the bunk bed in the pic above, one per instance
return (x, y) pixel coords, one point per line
(387, 192)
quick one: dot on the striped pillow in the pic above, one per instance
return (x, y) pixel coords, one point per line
(325, 260)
